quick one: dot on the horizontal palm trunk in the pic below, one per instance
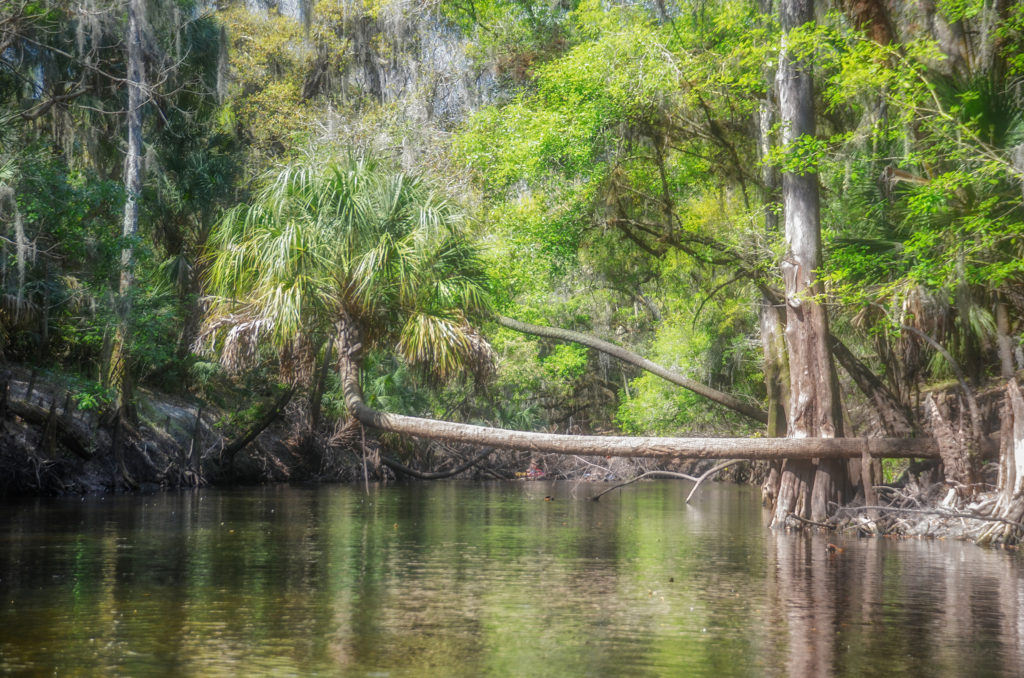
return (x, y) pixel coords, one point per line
(626, 356)
(680, 448)
(615, 446)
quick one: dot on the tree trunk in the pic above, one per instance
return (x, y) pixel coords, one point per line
(872, 17)
(776, 382)
(1010, 504)
(119, 359)
(806, 487)
(315, 400)
(724, 399)
(349, 347)
(893, 415)
(232, 448)
(771, 317)
(1003, 341)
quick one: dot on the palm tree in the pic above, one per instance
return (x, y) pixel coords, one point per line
(350, 250)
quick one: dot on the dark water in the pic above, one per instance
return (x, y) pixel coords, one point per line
(486, 580)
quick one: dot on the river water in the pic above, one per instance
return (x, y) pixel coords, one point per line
(459, 579)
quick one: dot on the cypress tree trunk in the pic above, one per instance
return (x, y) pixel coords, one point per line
(776, 381)
(1003, 341)
(1010, 485)
(119, 360)
(806, 486)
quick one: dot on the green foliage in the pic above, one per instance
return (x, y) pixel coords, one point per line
(93, 397)
(714, 349)
(513, 35)
(270, 57)
(326, 237)
(958, 10)
(614, 178)
(566, 361)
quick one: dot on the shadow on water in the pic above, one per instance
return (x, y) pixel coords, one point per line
(494, 579)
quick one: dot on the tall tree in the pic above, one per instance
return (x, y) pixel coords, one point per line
(120, 372)
(806, 487)
(327, 241)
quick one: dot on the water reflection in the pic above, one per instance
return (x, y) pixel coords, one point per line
(907, 608)
(469, 580)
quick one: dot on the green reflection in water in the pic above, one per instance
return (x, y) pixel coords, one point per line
(484, 579)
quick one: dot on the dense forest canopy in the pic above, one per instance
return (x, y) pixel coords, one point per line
(616, 169)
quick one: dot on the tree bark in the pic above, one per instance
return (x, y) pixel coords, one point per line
(771, 316)
(724, 399)
(1003, 341)
(315, 399)
(1010, 504)
(955, 451)
(776, 381)
(806, 487)
(872, 17)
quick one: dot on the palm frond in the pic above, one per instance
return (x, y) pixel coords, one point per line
(324, 237)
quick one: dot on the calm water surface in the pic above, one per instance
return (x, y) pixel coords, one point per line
(453, 579)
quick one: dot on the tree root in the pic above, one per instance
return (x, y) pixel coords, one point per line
(395, 465)
(935, 512)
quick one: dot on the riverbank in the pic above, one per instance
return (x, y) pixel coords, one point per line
(53, 443)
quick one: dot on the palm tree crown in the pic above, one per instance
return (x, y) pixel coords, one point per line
(323, 239)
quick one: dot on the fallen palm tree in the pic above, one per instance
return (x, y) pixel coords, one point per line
(622, 446)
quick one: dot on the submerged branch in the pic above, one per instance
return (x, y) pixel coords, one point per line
(697, 480)
(396, 465)
(648, 474)
(707, 474)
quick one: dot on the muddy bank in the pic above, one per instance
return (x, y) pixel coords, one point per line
(52, 444)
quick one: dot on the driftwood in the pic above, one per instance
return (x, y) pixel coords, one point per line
(944, 513)
(68, 432)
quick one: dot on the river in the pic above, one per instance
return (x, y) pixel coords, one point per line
(471, 579)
